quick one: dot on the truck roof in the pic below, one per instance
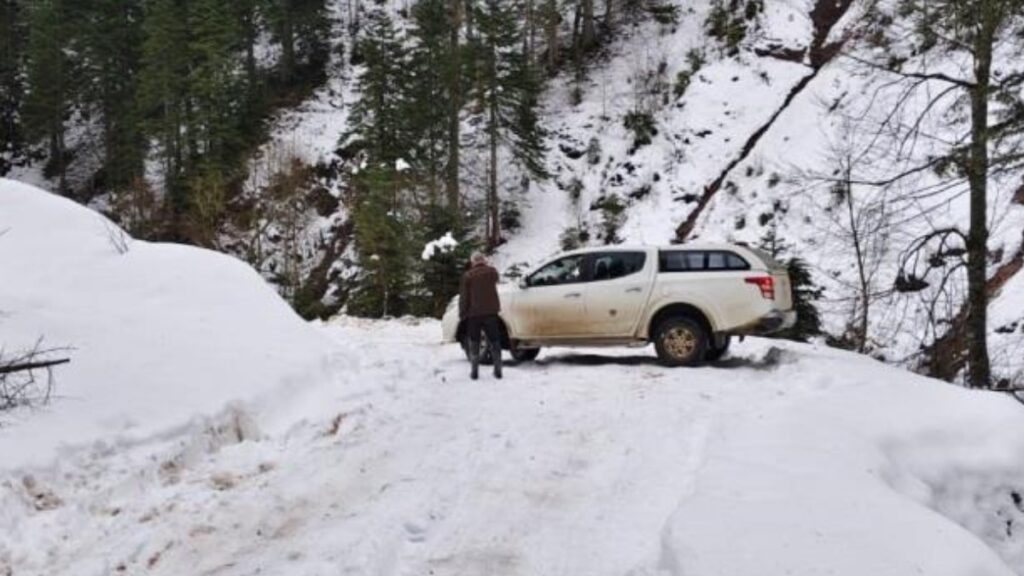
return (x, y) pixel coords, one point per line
(644, 247)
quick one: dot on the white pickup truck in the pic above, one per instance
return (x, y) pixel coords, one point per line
(688, 299)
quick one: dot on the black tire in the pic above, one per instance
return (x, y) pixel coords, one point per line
(680, 341)
(485, 351)
(524, 354)
(718, 348)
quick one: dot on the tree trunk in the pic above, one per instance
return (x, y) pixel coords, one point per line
(577, 56)
(455, 106)
(531, 31)
(494, 232)
(588, 24)
(551, 20)
(865, 289)
(494, 226)
(979, 371)
(287, 42)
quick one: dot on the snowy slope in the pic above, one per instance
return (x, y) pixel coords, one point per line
(796, 460)
(159, 334)
(777, 186)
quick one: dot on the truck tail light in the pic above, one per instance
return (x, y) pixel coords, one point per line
(765, 283)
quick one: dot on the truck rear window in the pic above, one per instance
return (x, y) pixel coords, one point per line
(700, 260)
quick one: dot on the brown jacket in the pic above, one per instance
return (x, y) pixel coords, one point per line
(478, 292)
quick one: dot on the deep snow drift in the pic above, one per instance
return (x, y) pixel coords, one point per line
(201, 431)
(159, 333)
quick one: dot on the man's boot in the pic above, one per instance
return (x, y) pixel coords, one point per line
(496, 356)
(474, 359)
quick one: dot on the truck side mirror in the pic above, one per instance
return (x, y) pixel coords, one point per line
(524, 284)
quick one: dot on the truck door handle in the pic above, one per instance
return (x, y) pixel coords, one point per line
(573, 295)
(635, 289)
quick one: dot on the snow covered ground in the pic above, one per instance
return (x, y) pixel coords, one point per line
(202, 429)
(789, 460)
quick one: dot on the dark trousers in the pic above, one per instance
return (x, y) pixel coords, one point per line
(488, 324)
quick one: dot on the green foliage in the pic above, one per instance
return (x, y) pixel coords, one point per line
(383, 241)
(665, 14)
(612, 217)
(806, 293)
(112, 39)
(301, 29)
(510, 85)
(378, 123)
(729, 20)
(49, 79)
(573, 237)
(163, 95)
(643, 127)
(429, 97)
(440, 274)
(12, 39)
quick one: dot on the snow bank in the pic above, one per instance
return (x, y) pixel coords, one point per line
(160, 333)
(848, 476)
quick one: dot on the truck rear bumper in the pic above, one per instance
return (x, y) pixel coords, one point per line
(774, 321)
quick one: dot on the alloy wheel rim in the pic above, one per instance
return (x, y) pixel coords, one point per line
(681, 342)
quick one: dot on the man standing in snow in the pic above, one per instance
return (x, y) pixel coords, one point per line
(479, 307)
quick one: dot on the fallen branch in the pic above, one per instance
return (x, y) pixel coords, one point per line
(12, 368)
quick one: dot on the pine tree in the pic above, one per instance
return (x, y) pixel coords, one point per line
(163, 96)
(509, 89)
(12, 36)
(302, 28)
(215, 84)
(454, 88)
(378, 123)
(379, 128)
(382, 234)
(804, 290)
(48, 101)
(429, 98)
(112, 54)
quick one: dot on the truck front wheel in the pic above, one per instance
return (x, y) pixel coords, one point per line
(680, 341)
(524, 354)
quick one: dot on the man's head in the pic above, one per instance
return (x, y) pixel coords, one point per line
(478, 259)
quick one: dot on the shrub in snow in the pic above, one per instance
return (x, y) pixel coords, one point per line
(612, 217)
(643, 127)
(573, 237)
(664, 13)
(594, 154)
(26, 378)
(511, 216)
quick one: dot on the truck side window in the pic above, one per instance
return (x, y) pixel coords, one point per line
(698, 260)
(735, 262)
(562, 271)
(612, 265)
(681, 261)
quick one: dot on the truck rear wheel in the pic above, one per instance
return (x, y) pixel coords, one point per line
(680, 341)
(718, 348)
